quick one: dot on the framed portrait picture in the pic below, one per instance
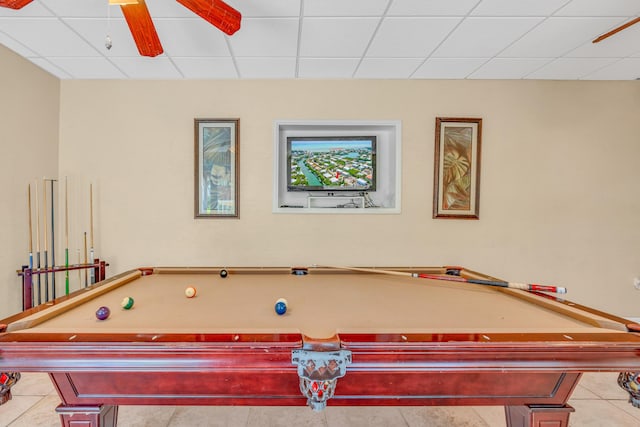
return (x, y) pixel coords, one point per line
(456, 191)
(217, 168)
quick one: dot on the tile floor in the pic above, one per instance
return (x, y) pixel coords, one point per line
(598, 401)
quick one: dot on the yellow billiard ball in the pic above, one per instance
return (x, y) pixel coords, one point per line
(190, 292)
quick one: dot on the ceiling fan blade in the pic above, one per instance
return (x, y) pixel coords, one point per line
(617, 30)
(142, 28)
(14, 4)
(216, 12)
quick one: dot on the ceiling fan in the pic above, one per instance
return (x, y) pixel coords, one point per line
(617, 30)
(216, 12)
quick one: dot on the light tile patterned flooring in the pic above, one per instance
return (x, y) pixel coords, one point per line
(598, 401)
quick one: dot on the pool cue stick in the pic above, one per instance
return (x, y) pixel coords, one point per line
(498, 283)
(92, 255)
(86, 279)
(66, 235)
(44, 229)
(53, 240)
(38, 242)
(30, 239)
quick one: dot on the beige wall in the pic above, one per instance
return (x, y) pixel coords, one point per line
(559, 190)
(559, 197)
(29, 107)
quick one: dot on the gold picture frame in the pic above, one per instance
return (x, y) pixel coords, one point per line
(456, 190)
(217, 168)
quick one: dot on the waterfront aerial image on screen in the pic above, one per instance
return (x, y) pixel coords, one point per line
(332, 164)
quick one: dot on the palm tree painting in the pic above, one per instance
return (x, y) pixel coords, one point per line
(457, 168)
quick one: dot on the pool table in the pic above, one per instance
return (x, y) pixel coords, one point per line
(367, 337)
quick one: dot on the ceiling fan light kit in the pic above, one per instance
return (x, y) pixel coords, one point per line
(216, 12)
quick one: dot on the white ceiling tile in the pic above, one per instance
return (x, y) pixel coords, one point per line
(331, 38)
(169, 9)
(83, 8)
(483, 37)
(332, 68)
(625, 69)
(87, 68)
(431, 7)
(190, 37)
(387, 68)
(147, 68)
(95, 31)
(206, 68)
(266, 37)
(448, 68)
(50, 68)
(517, 8)
(345, 8)
(557, 36)
(271, 8)
(569, 68)
(508, 68)
(338, 37)
(624, 43)
(600, 8)
(46, 36)
(16, 46)
(268, 68)
(410, 37)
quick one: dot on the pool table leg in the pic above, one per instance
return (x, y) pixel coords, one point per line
(538, 416)
(88, 416)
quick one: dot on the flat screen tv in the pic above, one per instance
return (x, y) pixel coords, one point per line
(331, 163)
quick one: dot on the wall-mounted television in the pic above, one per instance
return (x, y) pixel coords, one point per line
(331, 163)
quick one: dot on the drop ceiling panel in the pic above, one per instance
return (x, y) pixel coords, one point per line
(600, 8)
(448, 68)
(431, 7)
(345, 8)
(484, 37)
(266, 37)
(570, 68)
(90, 68)
(336, 39)
(271, 8)
(190, 37)
(46, 36)
(557, 36)
(331, 68)
(624, 69)
(410, 37)
(517, 8)
(387, 68)
(157, 68)
(339, 37)
(508, 68)
(206, 68)
(268, 68)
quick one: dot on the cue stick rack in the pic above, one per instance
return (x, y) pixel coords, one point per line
(46, 197)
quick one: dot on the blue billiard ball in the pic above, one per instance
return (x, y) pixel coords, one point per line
(281, 306)
(103, 312)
